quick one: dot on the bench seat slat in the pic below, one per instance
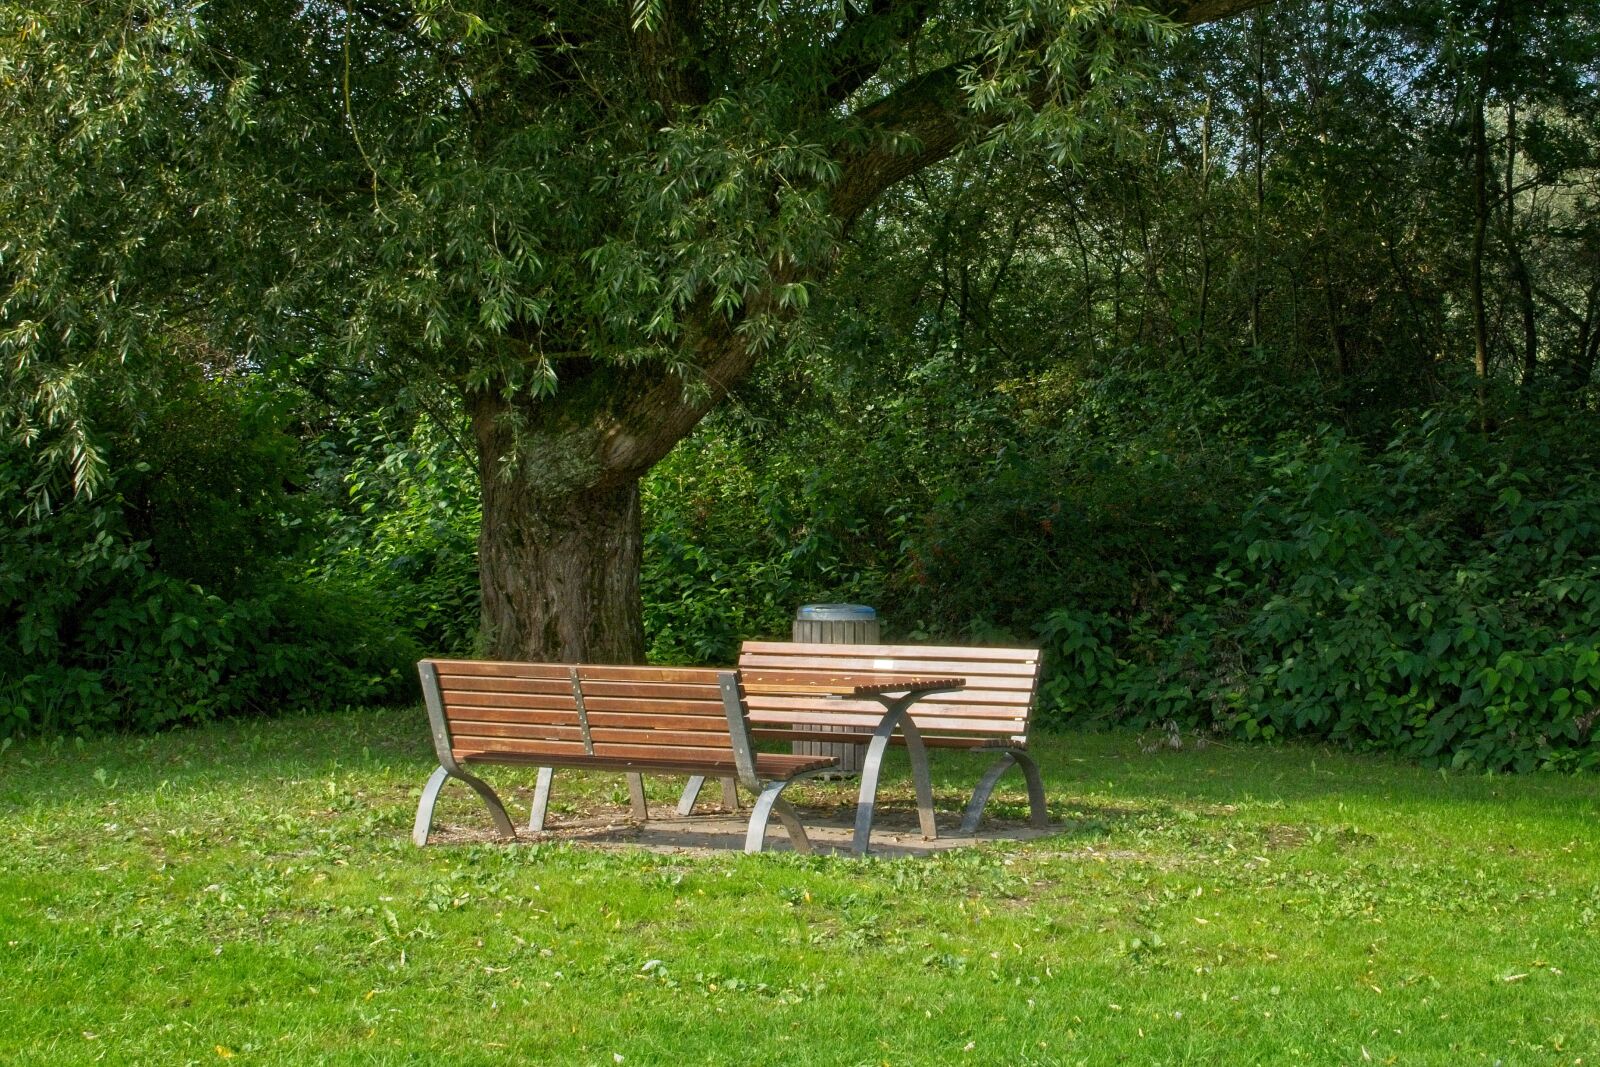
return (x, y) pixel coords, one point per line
(855, 664)
(531, 716)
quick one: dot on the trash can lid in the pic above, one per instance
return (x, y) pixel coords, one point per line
(835, 613)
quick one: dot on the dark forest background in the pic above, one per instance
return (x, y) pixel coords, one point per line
(1272, 414)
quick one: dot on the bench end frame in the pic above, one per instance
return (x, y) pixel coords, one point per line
(769, 795)
(448, 767)
(1038, 814)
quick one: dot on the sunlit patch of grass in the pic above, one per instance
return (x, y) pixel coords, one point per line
(249, 892)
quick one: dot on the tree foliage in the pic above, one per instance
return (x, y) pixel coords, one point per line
(1034, 322)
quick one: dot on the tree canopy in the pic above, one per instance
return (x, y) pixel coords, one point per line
(583, 223)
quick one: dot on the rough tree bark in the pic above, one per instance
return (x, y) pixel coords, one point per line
(560, 546)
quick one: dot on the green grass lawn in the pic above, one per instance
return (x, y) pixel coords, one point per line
(248, 892)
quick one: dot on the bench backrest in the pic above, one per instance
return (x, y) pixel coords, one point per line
(995, 706)
(565, 713)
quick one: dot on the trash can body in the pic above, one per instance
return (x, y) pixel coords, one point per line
(835, 624)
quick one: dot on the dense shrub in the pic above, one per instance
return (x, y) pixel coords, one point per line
(959, 513)
(169, 595)
(736, 538)
(404, 531)
(1439, 597)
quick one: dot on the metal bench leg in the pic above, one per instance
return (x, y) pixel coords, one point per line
(920, 778)
(541, 799)
(691, 793)
(430, 796)
(768, 803)
(641, 811)
(872, 767)
(1038, 815)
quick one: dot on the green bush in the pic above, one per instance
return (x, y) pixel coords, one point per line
(736, 538)
(169, 596)
(1439, 598)
(404, 533)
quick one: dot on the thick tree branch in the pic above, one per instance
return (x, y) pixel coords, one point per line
(669, 57)
(926, 119)
(866, 41)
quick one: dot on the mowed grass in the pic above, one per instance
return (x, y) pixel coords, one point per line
(248, 892)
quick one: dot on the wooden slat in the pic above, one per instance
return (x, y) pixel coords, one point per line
(664, 708)
(648, 720)
(531, 731)
(470, 747)
(854, 664)
(681, 753)
(929, 740)
(1020, 683)
(779, 765)
(528, 715)
(820, 717)
(476, 668)
(961, 652)
(653, 690)
(607, 672)
(541, 701)
(584, 762)
(681, 738)
(770, 766)
(923, 709)
(466, 683)
(857, 686)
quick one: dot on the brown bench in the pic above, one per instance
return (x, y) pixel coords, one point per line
(637, 720)
(787, 683)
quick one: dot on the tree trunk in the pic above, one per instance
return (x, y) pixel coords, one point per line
(560, 547)
(1480, 217)
(1519, 266)
(1258, 143)
(1480, 225)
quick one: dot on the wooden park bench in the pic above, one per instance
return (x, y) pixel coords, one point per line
(637, 720)
(962, 697)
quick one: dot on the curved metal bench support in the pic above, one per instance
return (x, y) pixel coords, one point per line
(872, 766)
(1038, 816)
(771, 802)
(448, 768)
(430, 796)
